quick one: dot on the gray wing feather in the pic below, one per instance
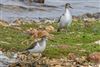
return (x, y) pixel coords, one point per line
(60, 18)
(32, 46)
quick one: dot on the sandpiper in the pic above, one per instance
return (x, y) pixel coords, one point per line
(38, 46)
(66, 18)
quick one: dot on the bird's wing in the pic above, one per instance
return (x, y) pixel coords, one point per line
(40, 42)
(60, 18)
(32, 45)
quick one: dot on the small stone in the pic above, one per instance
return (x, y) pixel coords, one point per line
(38, 1)
(94, 57)
(17, 64)
(54, 62)
(68, 64)
(89, 66)
(49, 28)
(4, 23)
(58, 66)
(71, 56)
(97, 42)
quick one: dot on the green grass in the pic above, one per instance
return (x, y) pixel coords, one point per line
(78, 34)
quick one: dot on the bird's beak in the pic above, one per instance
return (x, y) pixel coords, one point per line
(70, 7)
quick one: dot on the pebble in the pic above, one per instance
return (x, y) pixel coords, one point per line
(94, 57)
(97, 42)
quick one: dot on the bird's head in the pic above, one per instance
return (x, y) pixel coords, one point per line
(44, 37)
(67, 5)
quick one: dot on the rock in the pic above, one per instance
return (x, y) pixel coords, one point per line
(42, 33)
(17, 22)
(54, 62)
(58, 66)
(89, 15)
(39, 1)
(87, 22)
(38, 33)
(49, 28)
(22, 57)
(4, 23)
(97, 42)
(71, 56)
(32, 32)
(75, 18)
(48, 21)
(14, 24)
(96, 15)
(17, 65)
(94, 57)
(44, 65)
(68, 64)
(36, 21)
(1, 49)
(3, 57)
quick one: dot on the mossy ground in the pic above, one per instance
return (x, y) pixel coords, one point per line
(80, 40)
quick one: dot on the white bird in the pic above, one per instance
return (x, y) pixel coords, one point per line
(38, 46)
(66, 19)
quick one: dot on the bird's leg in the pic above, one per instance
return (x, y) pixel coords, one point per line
(58, 30)
(67, 29)
(63, 29)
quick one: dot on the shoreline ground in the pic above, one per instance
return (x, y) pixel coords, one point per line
(77, 48)
(83, 16)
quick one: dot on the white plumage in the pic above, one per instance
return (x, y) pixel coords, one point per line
(66, 19)
(38, 46)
